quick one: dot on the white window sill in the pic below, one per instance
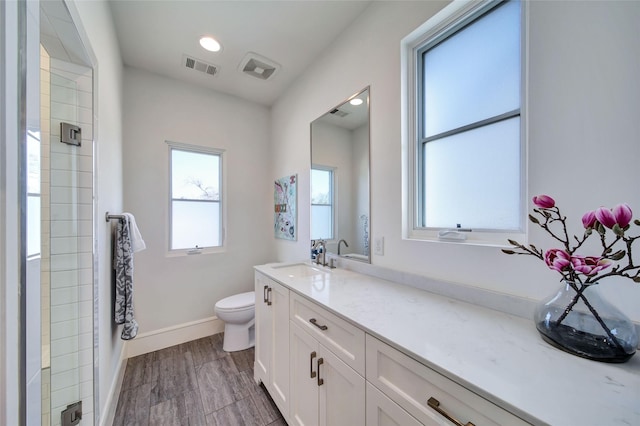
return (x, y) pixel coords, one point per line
(473, 238)
(196, 252)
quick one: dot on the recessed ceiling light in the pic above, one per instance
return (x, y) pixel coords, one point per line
(356, 101)
(210, 44)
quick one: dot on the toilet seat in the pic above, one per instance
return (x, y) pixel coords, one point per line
(237, 302)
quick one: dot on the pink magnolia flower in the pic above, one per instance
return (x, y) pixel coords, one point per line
(589, 219)
(589, 265)
(620, 214)
(544, 201)
(623, 214)
(606, 217)
(557, 259)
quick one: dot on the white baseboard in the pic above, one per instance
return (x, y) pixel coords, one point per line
(114, 391)
(170, 336)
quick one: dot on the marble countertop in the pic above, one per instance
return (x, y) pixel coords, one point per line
(496, 355)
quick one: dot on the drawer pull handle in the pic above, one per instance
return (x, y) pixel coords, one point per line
(311, 372)
(264, 293)
(435, 404)
(320, 362)
(269, 296)
(321, 327)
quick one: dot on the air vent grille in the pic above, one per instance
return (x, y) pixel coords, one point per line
(339, 113)
(199, 65)
(258, 66)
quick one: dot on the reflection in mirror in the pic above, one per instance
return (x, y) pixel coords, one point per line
(340, 178)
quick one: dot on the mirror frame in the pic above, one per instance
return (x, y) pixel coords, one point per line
(368, 228)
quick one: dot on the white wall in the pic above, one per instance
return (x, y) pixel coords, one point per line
(583, 133)
(360, 155)
(172, 290)
(332, 148)
(97, 27)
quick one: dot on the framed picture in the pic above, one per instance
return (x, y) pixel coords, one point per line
(285, 197)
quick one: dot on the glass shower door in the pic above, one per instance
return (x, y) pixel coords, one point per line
(67, 239)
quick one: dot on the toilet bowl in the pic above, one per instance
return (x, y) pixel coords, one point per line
(238, 313)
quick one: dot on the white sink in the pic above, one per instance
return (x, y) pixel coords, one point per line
(300, 270)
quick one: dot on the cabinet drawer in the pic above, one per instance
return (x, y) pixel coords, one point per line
(411, 384)
(381, 411)
(340, 337)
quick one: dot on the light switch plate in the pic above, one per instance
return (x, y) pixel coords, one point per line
(378, 246)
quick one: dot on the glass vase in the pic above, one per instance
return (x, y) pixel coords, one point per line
(578, 320)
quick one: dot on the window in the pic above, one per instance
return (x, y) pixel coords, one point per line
(33, 194)
(322, 210)
(196, 201)
(466, 131)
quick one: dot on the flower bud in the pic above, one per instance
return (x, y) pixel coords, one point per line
(544, 201)
(623, 214)
(605, 217)
(618, 255)
(589, 219)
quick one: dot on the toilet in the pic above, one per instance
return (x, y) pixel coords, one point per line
(238, 313)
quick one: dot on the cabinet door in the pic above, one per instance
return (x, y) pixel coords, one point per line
(381, 411)
(426, 394)
(304, 379)
(263, 331)
(280, 368)
(342, 393)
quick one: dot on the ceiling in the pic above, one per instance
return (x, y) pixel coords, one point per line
(154, 36)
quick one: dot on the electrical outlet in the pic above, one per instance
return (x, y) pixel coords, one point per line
(378, 246)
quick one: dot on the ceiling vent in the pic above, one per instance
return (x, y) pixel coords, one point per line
(258, 66)
(199, 65)
(339, 113)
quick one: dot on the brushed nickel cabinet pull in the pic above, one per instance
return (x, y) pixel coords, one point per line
(264, 293)
(321, 327)
(269, 296)
(311, 372)
(435, 404)
(320, 362)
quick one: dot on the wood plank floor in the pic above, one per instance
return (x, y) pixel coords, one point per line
(194, 384)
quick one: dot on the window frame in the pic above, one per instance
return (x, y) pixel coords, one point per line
(35, 136)
(333, 197)
(445, 23)
(197, 149)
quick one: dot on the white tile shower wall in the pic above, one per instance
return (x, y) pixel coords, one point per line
(71, 235)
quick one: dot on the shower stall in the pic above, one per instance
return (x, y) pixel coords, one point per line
(58, 367)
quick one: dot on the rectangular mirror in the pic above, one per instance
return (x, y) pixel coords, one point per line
(340, 208)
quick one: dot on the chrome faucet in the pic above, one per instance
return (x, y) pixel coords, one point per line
(345, 244)
(321, 255)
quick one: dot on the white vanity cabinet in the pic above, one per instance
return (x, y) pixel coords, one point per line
(425, 394)
(271, 366)
(324, 390)
(337, 347)
(327, 367)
